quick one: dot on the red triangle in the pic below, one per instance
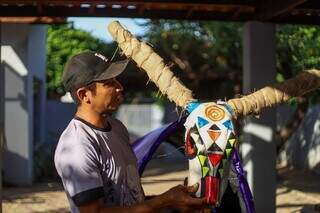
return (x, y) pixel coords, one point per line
(214, 134)
(215, 158)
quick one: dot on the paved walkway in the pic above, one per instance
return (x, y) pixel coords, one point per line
(296, 192)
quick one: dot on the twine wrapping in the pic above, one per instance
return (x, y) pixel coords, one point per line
(170, 85)
(152, 63)
(271, 95)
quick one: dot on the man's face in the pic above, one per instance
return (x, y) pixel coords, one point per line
(108, 96)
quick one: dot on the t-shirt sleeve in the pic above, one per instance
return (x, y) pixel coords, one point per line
(78, 166)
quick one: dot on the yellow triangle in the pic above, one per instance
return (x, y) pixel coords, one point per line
(232, 141)
(228, 151)
(202, 159)
(221, 172)
(205, 171)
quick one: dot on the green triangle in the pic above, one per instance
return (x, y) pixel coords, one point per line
(205, 171)
(228, 151)
(202, 159)
(232, 141)
(221, 172)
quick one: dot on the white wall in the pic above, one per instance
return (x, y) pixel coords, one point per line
(302, 149)
(22, 47)
(138, 118)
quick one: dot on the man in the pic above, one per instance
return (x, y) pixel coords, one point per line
(93, 157)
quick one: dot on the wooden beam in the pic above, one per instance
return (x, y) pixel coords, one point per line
(297, 19)
(269, 10)
(33, 20)
(159, 4)
(62, 2)
(61, 11)
(284, 11)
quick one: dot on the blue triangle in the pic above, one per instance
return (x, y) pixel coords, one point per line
(202, 122)
(228, 124)
(191, 106)
(228, 107)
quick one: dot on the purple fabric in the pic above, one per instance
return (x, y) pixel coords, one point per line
(145, 147)
(244, 187)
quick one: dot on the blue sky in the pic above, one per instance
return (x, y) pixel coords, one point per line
(98, 26)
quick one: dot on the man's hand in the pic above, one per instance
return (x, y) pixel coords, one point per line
(182, 198)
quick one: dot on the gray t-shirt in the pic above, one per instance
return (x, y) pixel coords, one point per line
(98, 163)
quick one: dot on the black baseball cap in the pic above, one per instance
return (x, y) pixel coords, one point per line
(87, 67)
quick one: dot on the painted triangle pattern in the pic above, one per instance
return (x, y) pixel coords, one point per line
(229, 146)
(192, 106)
(202, 122)
(232, 136)
(228, 124)
(202, 159)
(205, 171)
(232, 141)
(193, 129)
(215, 158)
(229, 109)
(214, 135)
(228, 152)
(214, 127)
(215, 148)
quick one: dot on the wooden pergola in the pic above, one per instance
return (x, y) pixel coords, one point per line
(50, 11)
(259, 65)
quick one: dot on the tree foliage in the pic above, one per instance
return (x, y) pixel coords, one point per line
(298, 49)
(208, 55)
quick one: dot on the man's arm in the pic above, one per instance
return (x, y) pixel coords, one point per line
(179, 197)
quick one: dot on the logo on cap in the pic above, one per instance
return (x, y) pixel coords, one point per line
(101, 56)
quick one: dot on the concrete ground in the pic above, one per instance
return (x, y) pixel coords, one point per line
(297, 191)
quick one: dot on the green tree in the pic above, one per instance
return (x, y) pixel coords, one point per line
(298, 49)
(207, 55)
(63, 42)
(212, 51)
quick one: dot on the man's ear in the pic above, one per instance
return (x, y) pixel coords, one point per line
(83, 95)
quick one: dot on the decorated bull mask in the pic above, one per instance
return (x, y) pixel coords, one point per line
(209, 141)
(209, 137)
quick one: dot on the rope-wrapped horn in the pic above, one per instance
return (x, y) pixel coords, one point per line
(269, 96)
(168, 84)
(152, 63)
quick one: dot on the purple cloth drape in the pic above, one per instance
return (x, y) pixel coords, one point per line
(243, 184)
(145, 147)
